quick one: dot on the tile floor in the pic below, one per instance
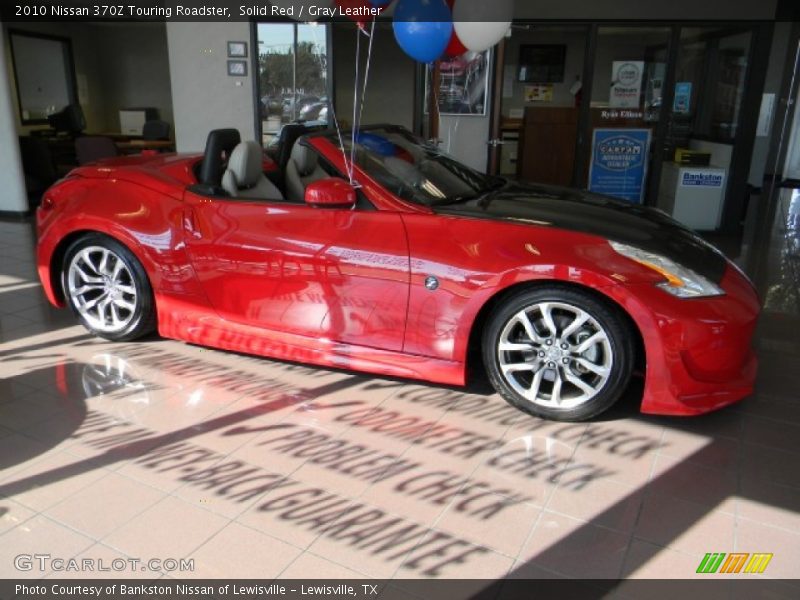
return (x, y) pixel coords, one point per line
(256, 468)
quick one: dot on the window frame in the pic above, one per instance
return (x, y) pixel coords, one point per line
(254, 67)
(69, 69)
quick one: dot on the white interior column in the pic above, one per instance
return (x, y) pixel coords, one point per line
(13, 197)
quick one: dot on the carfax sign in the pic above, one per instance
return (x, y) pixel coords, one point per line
(619, 163)
(626, 84)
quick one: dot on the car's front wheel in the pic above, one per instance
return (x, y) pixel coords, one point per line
(558, 352)
(108, 289)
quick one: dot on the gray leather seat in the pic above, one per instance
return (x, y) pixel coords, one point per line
(303, 169)
(244, 177)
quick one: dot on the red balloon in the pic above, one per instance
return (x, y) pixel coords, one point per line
(455, 47)
(358, 6)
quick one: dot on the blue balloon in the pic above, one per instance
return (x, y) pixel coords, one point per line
(378, 144)
(423, 28)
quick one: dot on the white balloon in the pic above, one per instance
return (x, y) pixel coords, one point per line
(305, 5)
(480, 24)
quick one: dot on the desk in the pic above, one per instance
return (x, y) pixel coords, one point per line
(547, 144)
(114, 135)
(62, 147)
(137, 145)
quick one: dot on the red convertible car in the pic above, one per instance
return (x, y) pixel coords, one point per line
(423, 269)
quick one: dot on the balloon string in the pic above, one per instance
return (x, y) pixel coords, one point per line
(355, 107)
(341, 139)
(331, 104)
(436, 106)
(366, 74)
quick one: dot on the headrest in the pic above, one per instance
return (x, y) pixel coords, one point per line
(219, 142)
(247, 163)
(288, 136)
(304, 158)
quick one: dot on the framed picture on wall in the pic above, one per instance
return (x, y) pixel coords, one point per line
(542, 63)
(237, 49)
(463, 85)
(237, 68)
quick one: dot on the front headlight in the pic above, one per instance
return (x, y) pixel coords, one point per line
(680, 281)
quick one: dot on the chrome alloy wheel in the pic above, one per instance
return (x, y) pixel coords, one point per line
(102, 289)
(555, 355)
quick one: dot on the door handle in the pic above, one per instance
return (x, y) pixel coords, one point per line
(190, 224)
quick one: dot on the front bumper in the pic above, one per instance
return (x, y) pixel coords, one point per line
(698, 351)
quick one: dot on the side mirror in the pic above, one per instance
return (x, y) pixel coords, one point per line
(331, 193)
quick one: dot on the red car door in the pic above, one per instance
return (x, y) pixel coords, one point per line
(319, 272)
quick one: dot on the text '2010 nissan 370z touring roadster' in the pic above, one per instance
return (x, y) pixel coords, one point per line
(420, 268)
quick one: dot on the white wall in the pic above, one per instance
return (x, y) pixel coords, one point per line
(12, 198)
(390, 92)
(203, 96)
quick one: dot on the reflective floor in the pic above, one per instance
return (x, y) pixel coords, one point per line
(161, 451)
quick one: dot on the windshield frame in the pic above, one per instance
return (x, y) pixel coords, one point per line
(481, 183)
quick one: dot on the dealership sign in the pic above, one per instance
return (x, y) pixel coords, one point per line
(619, 163)
(697, 178)
(626, 84)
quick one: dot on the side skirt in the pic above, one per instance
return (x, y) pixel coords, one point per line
(183, 322)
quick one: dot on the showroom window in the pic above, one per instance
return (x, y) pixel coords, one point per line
(293, 75)
(710, 77)
(656, 114)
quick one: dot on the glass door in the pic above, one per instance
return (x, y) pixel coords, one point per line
(703, 122)
(539, 97)
(775, 248)
(626, 106)
(292, 75)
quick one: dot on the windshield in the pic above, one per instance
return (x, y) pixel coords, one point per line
(415, 171)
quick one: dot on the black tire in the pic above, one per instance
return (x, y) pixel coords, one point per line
(134, 323)
(615, 349)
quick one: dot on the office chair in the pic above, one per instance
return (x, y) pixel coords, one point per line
(155, 130)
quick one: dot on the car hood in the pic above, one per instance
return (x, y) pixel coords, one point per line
(573, 210)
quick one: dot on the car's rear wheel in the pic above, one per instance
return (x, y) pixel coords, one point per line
(558, 352)
(108, 289)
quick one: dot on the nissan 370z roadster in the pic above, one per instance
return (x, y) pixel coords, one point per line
(401, 262)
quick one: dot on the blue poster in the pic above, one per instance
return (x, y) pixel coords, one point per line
(682, 103)
(619, 163)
